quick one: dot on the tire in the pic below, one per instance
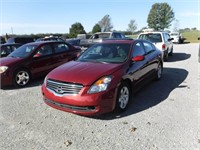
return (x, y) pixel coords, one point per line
(21, 78)
(159, 72)
(166, 55)
(171, 53)
(123, 97)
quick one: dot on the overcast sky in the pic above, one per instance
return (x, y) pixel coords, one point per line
(46, 16)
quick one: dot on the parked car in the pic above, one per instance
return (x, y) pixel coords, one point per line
(99, 37)
(34, 60)
(161, 40)
(103, 78)
(2, 40)
(74, 41)
(177, 37)
(7, 48)
(20, 39)
(50, 39)
(199, 50)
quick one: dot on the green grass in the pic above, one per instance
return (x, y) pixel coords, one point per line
(191, 36)
(133, 36)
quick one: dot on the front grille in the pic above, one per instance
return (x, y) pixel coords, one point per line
(62, 88)
(76, 108)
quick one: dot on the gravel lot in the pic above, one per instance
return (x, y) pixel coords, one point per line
(165, 115)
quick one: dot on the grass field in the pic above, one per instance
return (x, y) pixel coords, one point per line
(191, 36)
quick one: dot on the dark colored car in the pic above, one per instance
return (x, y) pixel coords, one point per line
(103, 78)
(34, 60)
(21, 40)
(7, 48)
(75, 42)
(51, 39)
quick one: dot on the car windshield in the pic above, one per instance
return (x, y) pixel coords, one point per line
(106, 53)
(23, 51)
(153, 37)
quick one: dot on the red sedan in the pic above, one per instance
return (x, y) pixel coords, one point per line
(103, 78)
(34, 60)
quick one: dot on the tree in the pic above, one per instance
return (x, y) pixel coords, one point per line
(132, 26)
(105, 24)
(176, 26)
(96, 28)
(75, 29)
(160, 16)
(194, 28)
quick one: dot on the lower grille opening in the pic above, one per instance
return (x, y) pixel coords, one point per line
(78, 108)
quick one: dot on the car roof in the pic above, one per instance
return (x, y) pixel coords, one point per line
(153, 32)
(107, 32)
(10, 44)
(44, 42)
(125, 41)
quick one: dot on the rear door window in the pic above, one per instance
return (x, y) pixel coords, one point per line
(44, 50)
(60, 47)
(148, 47)
(138, 50)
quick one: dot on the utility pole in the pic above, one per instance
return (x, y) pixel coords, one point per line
(12, 30)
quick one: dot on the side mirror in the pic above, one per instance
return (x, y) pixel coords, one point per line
(170, 39)
(138, 58)
(37, 55)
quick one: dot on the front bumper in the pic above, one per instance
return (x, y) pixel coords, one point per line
(6, 78)
(82, 104)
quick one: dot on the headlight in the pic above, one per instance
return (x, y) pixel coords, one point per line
(3, 69)
(100, 85)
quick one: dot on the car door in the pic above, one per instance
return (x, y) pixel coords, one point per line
(63, 53)
(167, 41)
(138, 70)
(42, 62)
(150, 57)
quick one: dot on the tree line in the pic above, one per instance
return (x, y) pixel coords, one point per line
(160, 17)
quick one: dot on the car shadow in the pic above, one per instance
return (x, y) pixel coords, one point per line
(153, 93)
(187, 42)
(178, 57)
(33, 83)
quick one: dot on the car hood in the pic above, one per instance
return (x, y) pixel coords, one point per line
(85, 73)
(6, 61)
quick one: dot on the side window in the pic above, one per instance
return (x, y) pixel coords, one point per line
(122, 35)
(116, 35)
(5, 50)
(148, 47)
(138, 50)
(44, 50)
(166, 37)
(60, 47)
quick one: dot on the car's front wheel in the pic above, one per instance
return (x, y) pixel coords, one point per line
(166, 55)
(21, 77)
(159, 71)
(123, 97)
(171, 53)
